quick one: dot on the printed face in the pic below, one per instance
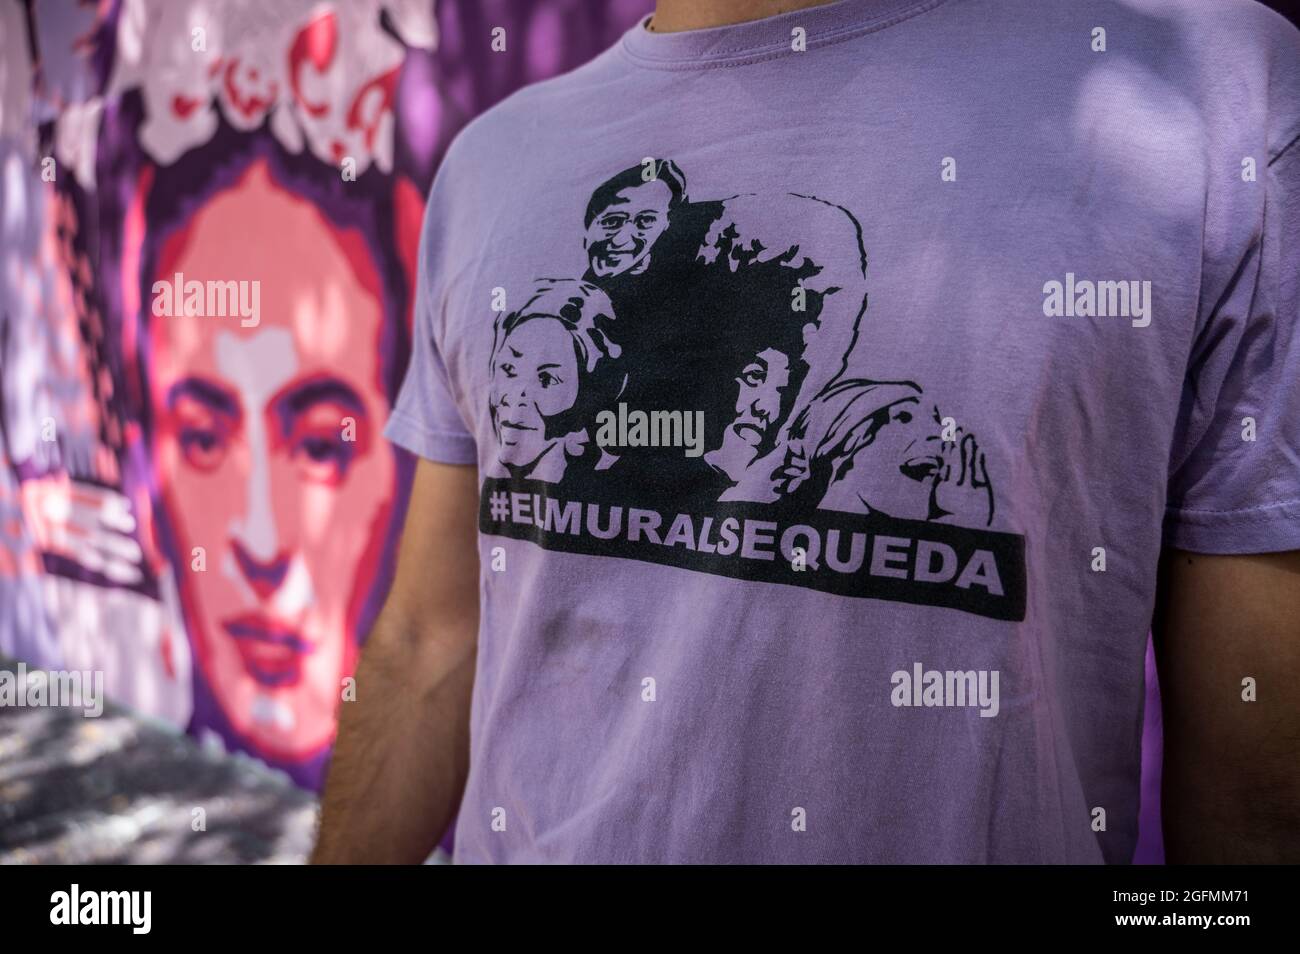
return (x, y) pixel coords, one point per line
(896, 473)
(269, 457)
(620, 237)
(762, 384)
(534, 378)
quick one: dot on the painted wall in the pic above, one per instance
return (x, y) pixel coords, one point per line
(203, 507)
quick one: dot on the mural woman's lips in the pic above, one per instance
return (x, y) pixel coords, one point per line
(272, 652)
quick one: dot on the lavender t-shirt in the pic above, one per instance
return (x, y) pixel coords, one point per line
(834, 381)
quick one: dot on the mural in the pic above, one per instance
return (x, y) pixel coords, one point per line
(210, 213)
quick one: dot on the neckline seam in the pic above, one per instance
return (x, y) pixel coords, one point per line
(743, 56)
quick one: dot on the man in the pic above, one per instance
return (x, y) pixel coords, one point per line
(669, 684)
(627, 215)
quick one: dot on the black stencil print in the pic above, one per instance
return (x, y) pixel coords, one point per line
(723, 330)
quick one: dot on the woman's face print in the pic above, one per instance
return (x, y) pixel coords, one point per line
(906, 453)
(897, 472)
(761, 386)
(534, 378)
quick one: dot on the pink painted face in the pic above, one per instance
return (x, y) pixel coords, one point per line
(269, 457)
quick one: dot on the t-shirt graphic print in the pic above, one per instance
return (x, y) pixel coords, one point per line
(686, 402)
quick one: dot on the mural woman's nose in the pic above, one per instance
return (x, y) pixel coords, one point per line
(255, 537)
(263, 577)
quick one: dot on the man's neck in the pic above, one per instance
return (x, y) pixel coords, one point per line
(673, 16)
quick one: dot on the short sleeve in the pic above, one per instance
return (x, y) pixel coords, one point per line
(1235, 465)
(425, 419)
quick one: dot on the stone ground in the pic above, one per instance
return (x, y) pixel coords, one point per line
(121, 789)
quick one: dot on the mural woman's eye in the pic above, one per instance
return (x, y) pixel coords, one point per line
(323, 440)
(323, 455)
(203, 432)
(507, 369)
(548, 379)
(202, 447)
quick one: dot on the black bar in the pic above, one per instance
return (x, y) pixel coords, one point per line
(535, 511)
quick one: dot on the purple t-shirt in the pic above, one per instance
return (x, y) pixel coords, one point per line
(834, 381)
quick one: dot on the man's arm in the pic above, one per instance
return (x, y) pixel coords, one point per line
(1231, 778)
(402, 754)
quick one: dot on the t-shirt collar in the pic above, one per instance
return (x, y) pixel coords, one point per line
(761, 39)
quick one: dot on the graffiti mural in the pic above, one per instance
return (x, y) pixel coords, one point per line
(210, 214)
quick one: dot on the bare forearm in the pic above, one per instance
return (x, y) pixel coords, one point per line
(1230, 793)
(1230, 807)
(1229, 655)
(402, 754)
